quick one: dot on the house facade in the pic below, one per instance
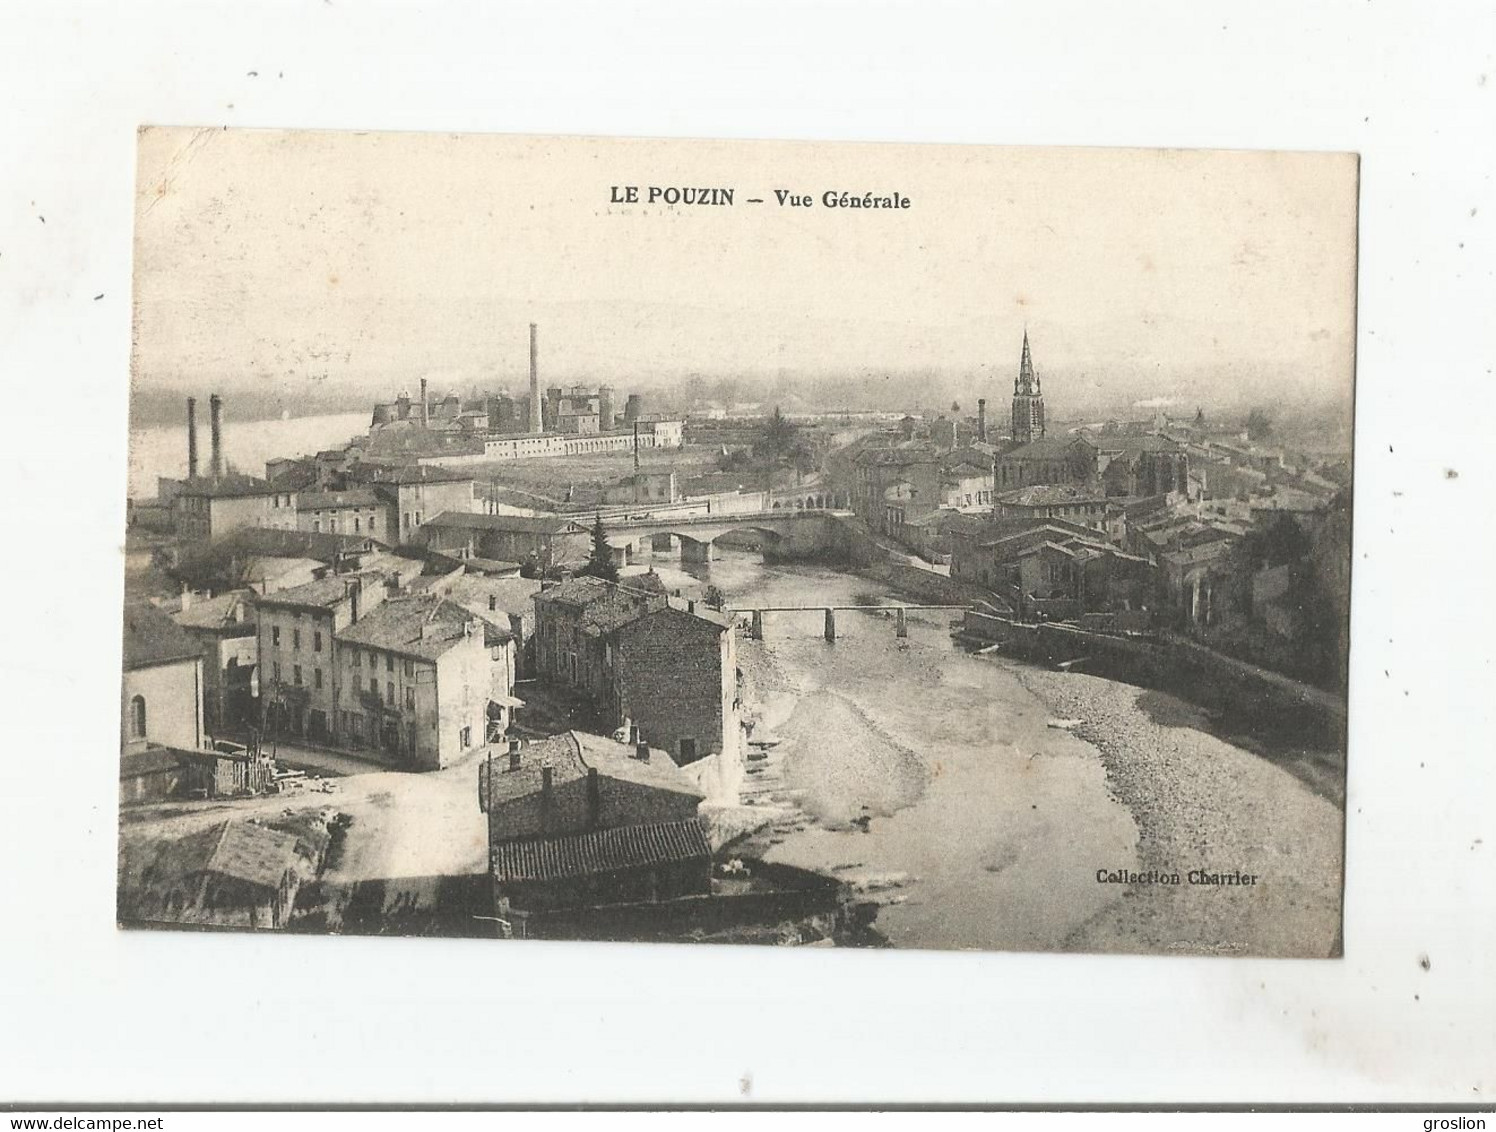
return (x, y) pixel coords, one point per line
(161, 696)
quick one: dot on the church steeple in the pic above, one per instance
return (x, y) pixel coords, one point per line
(1027, 381)
(1028, 401)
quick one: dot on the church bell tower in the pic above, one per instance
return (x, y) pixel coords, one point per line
(1028, 401)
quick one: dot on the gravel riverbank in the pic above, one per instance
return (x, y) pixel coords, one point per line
(1201, 803)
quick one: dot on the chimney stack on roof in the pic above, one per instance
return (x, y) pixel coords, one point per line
(514, 749)
(215, 426)
(192, 438)
(641, 751)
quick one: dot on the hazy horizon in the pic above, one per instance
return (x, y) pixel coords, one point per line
(297, 267)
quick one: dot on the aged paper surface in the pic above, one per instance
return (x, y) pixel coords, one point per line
(800, 544)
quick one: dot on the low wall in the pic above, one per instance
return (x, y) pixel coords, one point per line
(1239, 691)
(806, 894)
(857, 547)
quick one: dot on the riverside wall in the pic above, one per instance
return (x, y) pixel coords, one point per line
(1236, 690)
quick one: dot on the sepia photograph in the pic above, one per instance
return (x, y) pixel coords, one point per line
(797, 544)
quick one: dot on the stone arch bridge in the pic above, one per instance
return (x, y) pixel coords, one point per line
(791, 533)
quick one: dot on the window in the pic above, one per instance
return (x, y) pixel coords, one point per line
(410, 699)
(316, 677)
(374, 686)
(296, 638)
(357, 525)
(316, 526)
(317, 642)
(137, 718)
(389, 693)
(275, 635)
(466, 737)
(389, 662)
(493, 603)
(358, 659)
(410, 667)
(277, 671)
(296, 674)
(407, 520)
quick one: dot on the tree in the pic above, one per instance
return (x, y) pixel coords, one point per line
(714, 598)
(600, 561)
(777, 438)
(1259, 425)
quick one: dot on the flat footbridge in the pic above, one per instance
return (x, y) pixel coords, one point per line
(828, 614)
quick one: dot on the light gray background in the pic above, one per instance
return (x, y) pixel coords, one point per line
(91, 1013)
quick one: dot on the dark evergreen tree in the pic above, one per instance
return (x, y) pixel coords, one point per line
(600, 561)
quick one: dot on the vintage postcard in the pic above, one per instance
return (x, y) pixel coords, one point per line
(739, 542)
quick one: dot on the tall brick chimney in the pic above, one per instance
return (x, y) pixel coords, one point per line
(215, 427)
(425, 406)
(982, 419)
(535, 418)
(192, 438)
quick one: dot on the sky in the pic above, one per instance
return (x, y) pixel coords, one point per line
(301, 260)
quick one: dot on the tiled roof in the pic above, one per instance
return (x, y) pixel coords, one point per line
(511, 595)
(331, 500)
(1148, 442)
(1046, 494)
(291, 544)
(152, 637)
(321, 594)
(152, 760)
(238, 849)
(570, 755)
(602, 851)
(1046, 448)
(425, 626)
(214, 612)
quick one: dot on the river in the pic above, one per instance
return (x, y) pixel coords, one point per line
(931, 780)
(161, 450)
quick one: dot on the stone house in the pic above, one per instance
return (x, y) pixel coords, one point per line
(551, 540)
(161, 698)
(668, 669)
(892, 487)
(577, 820)
(675, 679)
(297, 630)
(424, 680)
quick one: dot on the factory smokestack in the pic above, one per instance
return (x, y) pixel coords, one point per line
(192, 438)
(215, 426)
(535, 422)
(982, 419)
(425, 410)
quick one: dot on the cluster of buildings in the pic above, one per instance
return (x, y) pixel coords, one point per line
(557, 421)
(1150, 523)
(370, 608)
